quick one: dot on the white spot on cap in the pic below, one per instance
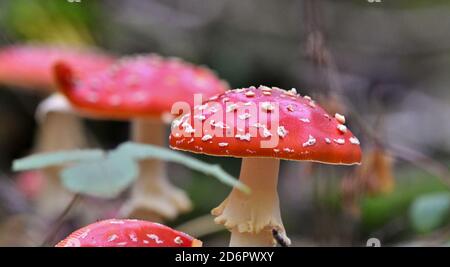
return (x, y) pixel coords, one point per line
(112, 238)
(327, 140)
(290, 108)
(267, 106)
(250, 94)
(223, 144)
(288, 150)
(133, 237)
(206, 137)
(202, 107)
(243, 137)
(340, 118)
(306, 120)
(339, 141)
(258, 125)
(282, 132)
(178, 240)
(155, 238)
(342, 128)
(177, 122)
(292, 92)
(188, 128)
(311, 141)
(266, 133)
(231, 107)
(218, 124)
(212, 109)
(354, 140)
(200, 117)
(245, 116)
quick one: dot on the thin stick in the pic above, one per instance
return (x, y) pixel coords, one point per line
(60, 220)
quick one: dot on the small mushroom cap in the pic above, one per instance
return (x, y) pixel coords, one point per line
(128, 233)
(30, 66)
(140, 86)
(225, 126)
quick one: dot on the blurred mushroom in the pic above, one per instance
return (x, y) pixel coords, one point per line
(142, 89)
(59, 129)
(262, 125)
(30, 67)
(128, 233)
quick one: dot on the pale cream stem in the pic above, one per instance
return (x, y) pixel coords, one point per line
(251, 217)
(57, 131)
(153, 195)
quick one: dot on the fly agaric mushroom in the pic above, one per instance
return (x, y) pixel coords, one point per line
(60, 128)
(262, 125)
(30, 66)
(128, 233)
(142, 89)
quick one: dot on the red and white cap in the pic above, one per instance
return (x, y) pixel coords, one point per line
(140, 86)
(222, 126)
(30, 66)
(128, 233)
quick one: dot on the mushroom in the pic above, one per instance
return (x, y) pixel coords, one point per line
(142, 89)
(128, 233)
(60, 128)
(30, 67)
(279, 125)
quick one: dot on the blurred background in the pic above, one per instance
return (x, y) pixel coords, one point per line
(384, 65)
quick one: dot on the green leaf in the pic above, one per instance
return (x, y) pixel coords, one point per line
(105, 178)
(44, 160)
(143, 151)
(430, 211)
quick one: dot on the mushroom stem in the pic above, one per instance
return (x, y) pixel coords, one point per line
(153, 196)
(57, 131)
(251, 217)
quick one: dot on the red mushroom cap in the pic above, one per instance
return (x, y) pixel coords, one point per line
(31, 66)
(226, 124)
(128, 233)
(142, 86)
